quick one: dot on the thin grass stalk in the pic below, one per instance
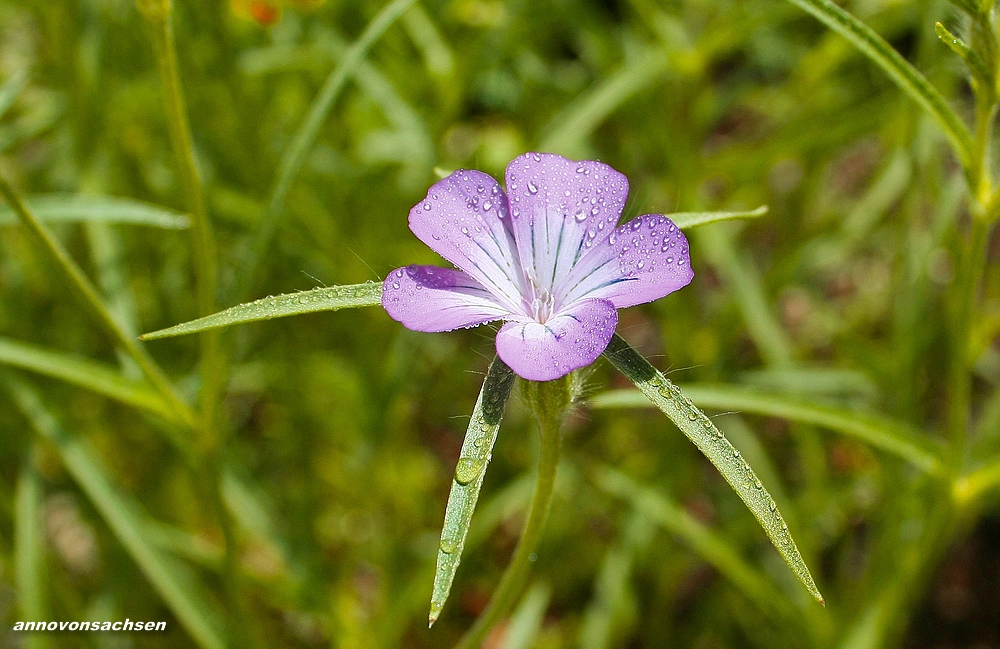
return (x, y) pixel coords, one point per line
(159, 15)
(213, 361)
(92, 299)
(514, 579)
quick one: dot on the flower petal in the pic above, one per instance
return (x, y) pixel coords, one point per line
(560, 209)
(428, 298)
(572, 338)
(464, 219)
(642, 261)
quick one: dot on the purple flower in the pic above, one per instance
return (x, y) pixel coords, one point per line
(545, 257)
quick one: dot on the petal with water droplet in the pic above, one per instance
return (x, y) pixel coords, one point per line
(477, 240)
(632, 268)
(571, 339)
(554, 207)
(429, 298)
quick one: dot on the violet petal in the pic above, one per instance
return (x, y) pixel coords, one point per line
(573, 338)
(642, 261)
(429, 298)
(464, 219)
(560, 209)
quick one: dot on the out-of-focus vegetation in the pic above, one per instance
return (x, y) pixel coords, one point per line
(821, 334)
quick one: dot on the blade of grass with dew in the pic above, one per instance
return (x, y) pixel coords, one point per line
(972, 60)
(708, 545)
(85, 373)
(713, 444)
(477, 449)
(526, 621)
(567, 132)
(330, 298)
(295, 155)
(176, 585)
(902, 73)
(73, 208)
(886, 434)
(29, 550)
(687, 220)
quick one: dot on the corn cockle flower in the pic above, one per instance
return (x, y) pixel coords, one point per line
(546, 257)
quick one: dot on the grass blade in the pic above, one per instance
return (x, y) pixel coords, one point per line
(526, 621)
(687, 220)
(85, 290)
(571, 127)
(741, 276)
(713, 444)
(126, 519)
(29, 551)
(295, 156)
(321, 299)
(902, 73)
(890, 436)
(477, 449)
(80, 208)
(712, 548)
(85, 373)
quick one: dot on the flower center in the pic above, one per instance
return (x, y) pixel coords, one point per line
(540, 302)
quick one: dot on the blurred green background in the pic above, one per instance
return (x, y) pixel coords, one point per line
(345, 427)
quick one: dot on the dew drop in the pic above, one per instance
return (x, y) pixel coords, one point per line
(427, 207)
(468, 469)
(448, 546)
(532, 187)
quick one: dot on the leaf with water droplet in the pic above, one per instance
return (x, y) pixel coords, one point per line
(329, 298)
(716, 448)
(469, 473)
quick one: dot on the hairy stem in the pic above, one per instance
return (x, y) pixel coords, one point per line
(548, 401)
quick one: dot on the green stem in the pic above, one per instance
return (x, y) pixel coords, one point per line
(92, 299)
(213, 362)
(970, 271)
(548, 401)
(158, 13)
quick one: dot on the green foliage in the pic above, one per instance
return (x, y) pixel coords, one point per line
(284, 484)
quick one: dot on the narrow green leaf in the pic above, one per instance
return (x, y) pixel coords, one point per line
(886, 434)
(972, 60)
(73, 208)
(477, 449)
(686, 220)
(29, 551)
(899, 70)
(438, 57)
(711, 547)
(569, 130)
(181, 593)
(742, 277)
(295, 155)
(608, 610)
(320, 299)
(86, 374)
(526, 620)
(713, 444)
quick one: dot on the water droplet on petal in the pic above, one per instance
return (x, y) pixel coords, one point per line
(532, 187)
